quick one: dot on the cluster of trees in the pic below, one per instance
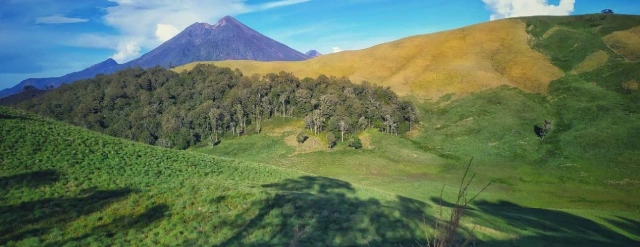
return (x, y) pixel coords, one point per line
(160, 107)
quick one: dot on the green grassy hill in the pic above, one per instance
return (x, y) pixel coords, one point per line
(64, 186)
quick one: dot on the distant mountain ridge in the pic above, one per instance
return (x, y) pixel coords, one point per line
(103, 67)
(228, 39)
(313, 53)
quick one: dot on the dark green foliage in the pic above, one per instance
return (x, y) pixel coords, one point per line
(355, 143)
(542, 130)
(163, 108)
(575, 37)
(331, 139)
(301, 137)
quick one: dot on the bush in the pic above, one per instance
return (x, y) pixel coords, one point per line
(301, 137)
(331, 140)
(355, 143)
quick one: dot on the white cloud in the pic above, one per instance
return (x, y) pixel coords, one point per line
(165, 32)
(515, 8)
(58, 19)
(126, 51)
(147, 23)
(336, 49)
(281, 3)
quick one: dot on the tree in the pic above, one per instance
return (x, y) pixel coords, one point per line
(318, 121)
(355, 143)
(363, 123)
(160, 107)
(241, 119)
(331, 140)
(284, 99)
(215, 119)
(344, 126)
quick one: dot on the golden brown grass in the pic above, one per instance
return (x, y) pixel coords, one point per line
(630, 85)
(460, 61)
(365, 138)
(592, 62)
(626, 43)
(312, 144)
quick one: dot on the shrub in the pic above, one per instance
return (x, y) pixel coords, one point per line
(355, 143)
(331, 140)
(302, 137)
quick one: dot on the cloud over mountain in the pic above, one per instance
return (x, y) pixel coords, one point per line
(144, 24)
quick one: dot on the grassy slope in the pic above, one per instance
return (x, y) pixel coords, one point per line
(409, 168)
(459, 61)
(588, 165)
(65, 186)
(62, 185)
(593, 144)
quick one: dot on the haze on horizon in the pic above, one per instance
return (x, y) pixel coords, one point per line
(43, 38)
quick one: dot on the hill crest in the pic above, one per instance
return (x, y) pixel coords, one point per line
(460, 61)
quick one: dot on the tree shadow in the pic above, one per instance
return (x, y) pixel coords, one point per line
(628, 225)
(547, 227)
(319, 211)
(35, 218)
(118, 227)
(27, 180)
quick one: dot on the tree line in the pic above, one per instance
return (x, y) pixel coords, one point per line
(176, 110)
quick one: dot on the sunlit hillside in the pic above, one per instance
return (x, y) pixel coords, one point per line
(459, 61)
(475, 58)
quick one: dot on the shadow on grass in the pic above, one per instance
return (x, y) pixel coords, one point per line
(35, 218)
(29, 219)
(628, 225)
(319, 211)
(545, 227)
(28, 180)
(119, 228)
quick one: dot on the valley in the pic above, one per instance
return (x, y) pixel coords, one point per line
(94, 162)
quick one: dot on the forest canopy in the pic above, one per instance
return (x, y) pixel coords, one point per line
(176, 110)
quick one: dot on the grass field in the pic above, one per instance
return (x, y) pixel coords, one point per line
(583, 168)
(64, 186)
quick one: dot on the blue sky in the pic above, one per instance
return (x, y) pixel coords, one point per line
(45, 38)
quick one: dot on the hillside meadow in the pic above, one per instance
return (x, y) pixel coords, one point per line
(64, 186)
(476, 102)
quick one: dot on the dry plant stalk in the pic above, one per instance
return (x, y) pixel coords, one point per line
(452, 225)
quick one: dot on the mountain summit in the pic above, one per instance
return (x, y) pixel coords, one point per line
(228, 39)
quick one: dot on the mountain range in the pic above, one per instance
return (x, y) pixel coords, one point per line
(228, 39)
(103, 67)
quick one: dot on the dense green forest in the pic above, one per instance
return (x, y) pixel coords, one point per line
(177, 110)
